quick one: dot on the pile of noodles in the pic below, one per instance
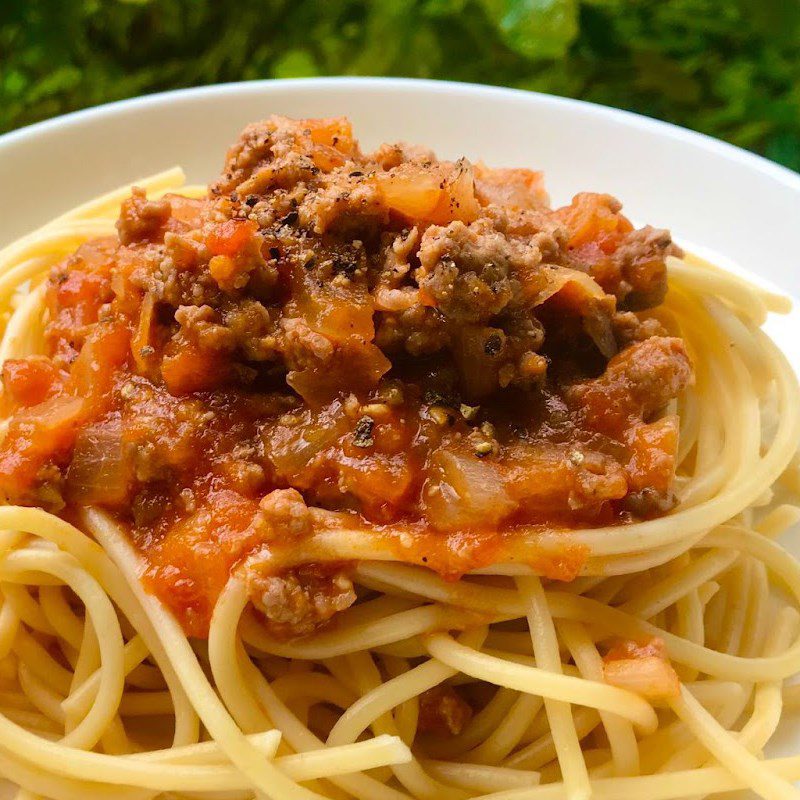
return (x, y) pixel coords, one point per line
(103, 695)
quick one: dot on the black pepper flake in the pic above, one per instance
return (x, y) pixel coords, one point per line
(290, 218)
(493, 345)
(432, 397)
(347, 268)
(356, 174)
(251, 200)
(362, 435)
(310, 263)
(274, 252)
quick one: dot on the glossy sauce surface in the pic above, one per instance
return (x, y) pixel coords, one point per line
(383, 341)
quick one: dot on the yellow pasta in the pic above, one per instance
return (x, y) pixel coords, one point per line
(103, 695)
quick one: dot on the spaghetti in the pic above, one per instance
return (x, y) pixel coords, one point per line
(103, 693)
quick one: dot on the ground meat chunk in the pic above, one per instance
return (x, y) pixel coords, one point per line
(641, 262)
(537, 226)
(397, 250)
(403, 343)
(304, 348)
(469, 296)
(298, 602)
(343, 204)
(389, 156)
(470, 270)
(256, 150)
(628, 328)
(512, 188)
(420, 330)
(637, 383)
(251, 325)
(654, 370)
(283, 515)
(167, 272)
(280, 152)
(140, 219)
(243, 327)
(443, 711)
(202, 326)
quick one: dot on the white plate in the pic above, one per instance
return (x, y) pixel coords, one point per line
(710, 194)
(707, 192)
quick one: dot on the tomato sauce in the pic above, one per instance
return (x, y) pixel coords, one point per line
(416, 349)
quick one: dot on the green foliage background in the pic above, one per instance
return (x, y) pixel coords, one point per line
(730, 68)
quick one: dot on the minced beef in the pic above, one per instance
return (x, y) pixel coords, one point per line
(334, 339)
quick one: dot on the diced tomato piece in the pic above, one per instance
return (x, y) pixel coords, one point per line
(186, 368)
(78, 288)
(334, 132)
(379, 482)
(33, 437)
(189, 566)
(332, 141)
(511, 188)
(186, 210)
(45, 431)
(643, 668)
(28, 381)
(542, 479)
(594, 218)
(82, 289)
(92, 374)
(231, 237)
(652, 463)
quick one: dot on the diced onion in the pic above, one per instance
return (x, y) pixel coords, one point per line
(465, 492)
(651, 677)
(99, 472)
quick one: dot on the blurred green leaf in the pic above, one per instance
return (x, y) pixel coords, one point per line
(295, 64)
(730, 69)
(784, 147)
(535, 28)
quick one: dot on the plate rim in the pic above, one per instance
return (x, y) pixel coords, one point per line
(770, 169)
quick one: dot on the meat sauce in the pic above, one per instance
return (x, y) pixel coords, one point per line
(386, 341)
